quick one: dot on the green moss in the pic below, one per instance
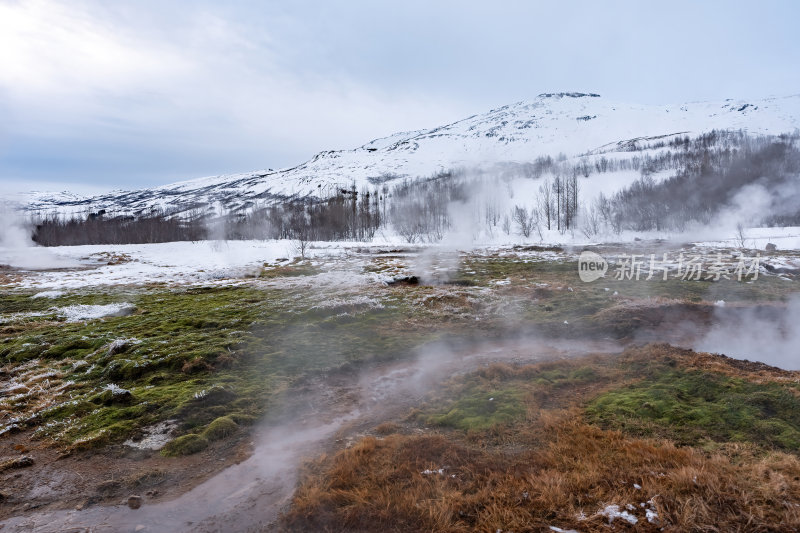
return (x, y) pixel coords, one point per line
(479, 410)
(198, 354)
(242, 419)
(220, 428)
(70, 347)
(290, 270)
(185, 445)
(691, 406)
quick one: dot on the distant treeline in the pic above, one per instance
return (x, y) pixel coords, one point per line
(97, 228)
(345, 215)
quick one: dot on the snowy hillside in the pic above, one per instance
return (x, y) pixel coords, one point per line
(569, 123)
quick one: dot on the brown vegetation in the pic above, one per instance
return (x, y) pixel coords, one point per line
(553, 468)
(566, 481)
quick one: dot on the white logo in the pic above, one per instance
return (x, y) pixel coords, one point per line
(591, 266)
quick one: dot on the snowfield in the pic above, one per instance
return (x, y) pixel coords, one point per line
(137, 264)
(65, 268)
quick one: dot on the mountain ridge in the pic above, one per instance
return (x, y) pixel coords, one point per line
(570, 123)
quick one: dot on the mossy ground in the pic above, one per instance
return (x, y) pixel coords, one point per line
(196, 354)
(694, 407)
(200, 353)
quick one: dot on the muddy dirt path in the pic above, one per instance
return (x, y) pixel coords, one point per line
(321, 416)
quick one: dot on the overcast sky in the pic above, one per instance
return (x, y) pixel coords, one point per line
(98, 95)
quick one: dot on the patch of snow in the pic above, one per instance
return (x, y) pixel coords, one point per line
(118, 344)
(155, 437)
(362, 301)
(115, 389)
(80, 312)
(48, 294)
(613, 512)
(12, 388)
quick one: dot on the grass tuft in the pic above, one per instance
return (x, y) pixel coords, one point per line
(220, 428)
(185, 445)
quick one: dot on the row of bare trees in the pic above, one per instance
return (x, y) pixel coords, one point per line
(555, 207)
(720, 173)
(98, 228)
(420, 211)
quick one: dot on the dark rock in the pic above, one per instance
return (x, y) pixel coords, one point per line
(113, 397)
(780, 270)
(408, 280)
(771, 247)
(25, 460)
(118, 346)
(134, 502)
(217, 395)
(20, 462)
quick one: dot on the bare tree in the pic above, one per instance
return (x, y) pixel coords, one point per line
(300, 227)
(740, 236)
(523, 221)
(545, 202)
(591, 221)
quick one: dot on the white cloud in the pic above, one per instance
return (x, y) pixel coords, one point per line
(57, 49)
(190, 82)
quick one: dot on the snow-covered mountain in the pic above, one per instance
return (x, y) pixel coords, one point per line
(568, 123)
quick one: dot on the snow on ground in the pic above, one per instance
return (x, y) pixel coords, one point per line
(48, 294)
(79, 313)
(73, 313)
(172, 262)
(180, 263)
(613, 512)
(757, 238)
(155, 437)
(35, 258)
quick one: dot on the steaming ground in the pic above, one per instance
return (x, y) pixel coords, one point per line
(458, 310)
(225, 262)
(250, 495)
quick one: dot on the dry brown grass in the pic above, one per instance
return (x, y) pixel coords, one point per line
(387, 428)
(553, 469)
(748, 370)
(380, 485)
